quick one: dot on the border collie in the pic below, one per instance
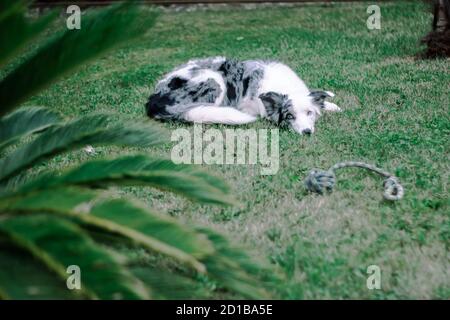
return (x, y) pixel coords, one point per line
(227, 91)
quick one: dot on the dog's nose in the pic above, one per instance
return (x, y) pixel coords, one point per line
(307, 131)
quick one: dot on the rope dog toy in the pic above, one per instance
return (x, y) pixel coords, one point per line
(319, 181)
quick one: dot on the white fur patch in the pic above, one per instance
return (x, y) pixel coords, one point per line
(224, 115)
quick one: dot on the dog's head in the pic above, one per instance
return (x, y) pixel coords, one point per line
(298, 112)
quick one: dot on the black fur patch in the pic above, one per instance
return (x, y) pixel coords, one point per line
(156, 105)
(250, 84)
(176, 83)
(245, 84)
(232, 71)
(231, 91)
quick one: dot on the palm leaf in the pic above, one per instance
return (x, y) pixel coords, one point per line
(233, 269)
(25, 277)
(100, 32)
(24, 122)
(61, 243)
(134, 216)
(75, 134)
(11, 7)
(141, 170)
(230, 267)
(130, 220)
(169, 285)
(49, 223)
(15, 31)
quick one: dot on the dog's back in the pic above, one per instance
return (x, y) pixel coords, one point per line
(197, 82)
(206, 82)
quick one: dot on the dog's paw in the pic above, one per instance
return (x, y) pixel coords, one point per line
(330, 94)
(329, 106)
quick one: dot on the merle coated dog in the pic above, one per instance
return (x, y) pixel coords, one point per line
(227, 91)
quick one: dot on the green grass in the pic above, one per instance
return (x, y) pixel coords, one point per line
(396, 115)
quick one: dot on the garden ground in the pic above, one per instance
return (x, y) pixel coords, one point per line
(395, 115)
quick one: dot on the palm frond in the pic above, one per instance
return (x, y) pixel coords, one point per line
(141, 170)
(169, 285)
(62, 243)
(134, 216)
(11, 7)
(229, 266)
(15, 30)
(91, 130)
(235, 270)
(59, 219)
(24, 122)
(130, 220)
(25, 277)
(138, 133)
(100, 32)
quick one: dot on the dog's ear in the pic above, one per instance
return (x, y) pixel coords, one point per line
(276, 105)
(273, 101)
(319, 100)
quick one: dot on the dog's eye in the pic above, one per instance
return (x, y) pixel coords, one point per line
(289, 116)
(309, 113)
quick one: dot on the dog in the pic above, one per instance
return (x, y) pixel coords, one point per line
(228, 91)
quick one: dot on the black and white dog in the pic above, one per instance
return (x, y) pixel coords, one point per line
(221, 90)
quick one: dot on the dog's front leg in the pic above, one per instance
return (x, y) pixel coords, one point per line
(218, 114)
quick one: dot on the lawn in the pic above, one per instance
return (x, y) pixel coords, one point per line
(395, 115)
